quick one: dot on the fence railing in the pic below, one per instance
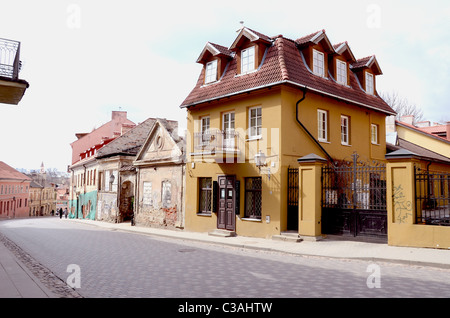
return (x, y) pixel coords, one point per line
(432, 197)
(9, 58)
(217, 140)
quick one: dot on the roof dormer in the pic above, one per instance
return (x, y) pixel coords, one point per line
(249, 47)
(214, 58)
(366, 69)
(339, 63)
(316, 48)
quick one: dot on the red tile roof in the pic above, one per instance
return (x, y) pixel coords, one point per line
(283, 64)
(8, 172)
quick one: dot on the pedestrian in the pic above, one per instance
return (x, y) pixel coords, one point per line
(53, 212)
(60, 213)
(65, 212)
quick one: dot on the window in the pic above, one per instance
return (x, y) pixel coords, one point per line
(345, 130)
(369, 83)
(374, 133)
(253, 202)
(248, 60)
(255, 122)
(211, 72)
(166, 194)
(205, 129)
(147, 194)
(205, 193)
(341, 72)
(322, 120)
(318, 63)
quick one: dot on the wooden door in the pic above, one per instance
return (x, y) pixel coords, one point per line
(226, 214)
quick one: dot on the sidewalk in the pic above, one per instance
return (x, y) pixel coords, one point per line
(331, 248)
(16, 281)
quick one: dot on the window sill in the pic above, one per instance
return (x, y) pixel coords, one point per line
(346, 145)
(251, 219)
(204, 214)
(324, 141)
(254, 138)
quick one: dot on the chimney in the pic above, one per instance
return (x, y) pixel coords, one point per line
(448, 130)
(390, 124)
(118, 114)
(126, 128)
(408, 119)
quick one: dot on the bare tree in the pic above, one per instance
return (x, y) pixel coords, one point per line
(402, 106)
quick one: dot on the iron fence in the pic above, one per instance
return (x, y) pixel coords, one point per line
(9, 58)
(432, 197)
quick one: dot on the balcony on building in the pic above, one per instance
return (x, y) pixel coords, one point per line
(12, 88)
(218, 144)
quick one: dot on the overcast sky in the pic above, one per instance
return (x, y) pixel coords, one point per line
(84, 59)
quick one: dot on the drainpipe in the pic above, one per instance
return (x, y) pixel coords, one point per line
(306, 130)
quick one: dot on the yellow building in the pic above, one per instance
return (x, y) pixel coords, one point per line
(260, 105)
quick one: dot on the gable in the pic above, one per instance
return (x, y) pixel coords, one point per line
(160, 146)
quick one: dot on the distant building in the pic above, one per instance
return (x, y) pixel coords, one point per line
(14, 192)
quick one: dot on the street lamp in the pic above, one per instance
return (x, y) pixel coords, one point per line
(260, 160)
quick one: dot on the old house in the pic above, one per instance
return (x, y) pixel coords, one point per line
(117, 175)
(258, 106)
(160, 174)
(84, 168)
(14, 192)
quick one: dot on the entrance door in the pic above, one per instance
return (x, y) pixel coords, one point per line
(228, 131)
(226, 213)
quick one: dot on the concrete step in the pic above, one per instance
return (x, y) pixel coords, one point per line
(222, 233)
(288, 237)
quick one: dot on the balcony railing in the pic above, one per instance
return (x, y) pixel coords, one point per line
(9, 59)
(215, 141)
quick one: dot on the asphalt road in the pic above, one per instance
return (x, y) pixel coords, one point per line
(101, 263)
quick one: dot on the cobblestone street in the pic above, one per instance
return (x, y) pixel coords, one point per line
(116, 264)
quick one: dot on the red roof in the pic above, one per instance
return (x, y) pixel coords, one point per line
(8, 172)
(283, 64)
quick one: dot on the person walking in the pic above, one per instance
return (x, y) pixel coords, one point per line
(60, 213)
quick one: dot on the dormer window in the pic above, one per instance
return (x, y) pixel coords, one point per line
(369, 83)
(211, 72)
(248, 60)
(341, 72)
(318, 63)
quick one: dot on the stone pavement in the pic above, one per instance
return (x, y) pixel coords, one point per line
(16, 281)
(331, 248)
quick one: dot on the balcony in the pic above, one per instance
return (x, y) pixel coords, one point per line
(218, 143)
(12, 88)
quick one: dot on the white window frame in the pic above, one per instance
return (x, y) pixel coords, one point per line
(341, 72)
(318, 63)
(369, 83)
(248, 60)
(211, 72)
(345, 130)
(374, 134)
(205, 128)
(322, 125)
(254, 127)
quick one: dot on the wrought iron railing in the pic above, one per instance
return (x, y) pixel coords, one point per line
(9, 58)
(432, 197)
(354, 185)
(217, 140)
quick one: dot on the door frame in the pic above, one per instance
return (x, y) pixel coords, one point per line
(226, 216)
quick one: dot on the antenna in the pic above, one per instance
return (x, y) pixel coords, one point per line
(241, 27)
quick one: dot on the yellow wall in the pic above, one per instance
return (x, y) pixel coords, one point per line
(283, 141)
(421, 139)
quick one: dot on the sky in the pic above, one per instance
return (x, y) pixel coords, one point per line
(87, 58)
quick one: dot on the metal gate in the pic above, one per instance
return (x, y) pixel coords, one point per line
(354, 198)
(292, 200)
